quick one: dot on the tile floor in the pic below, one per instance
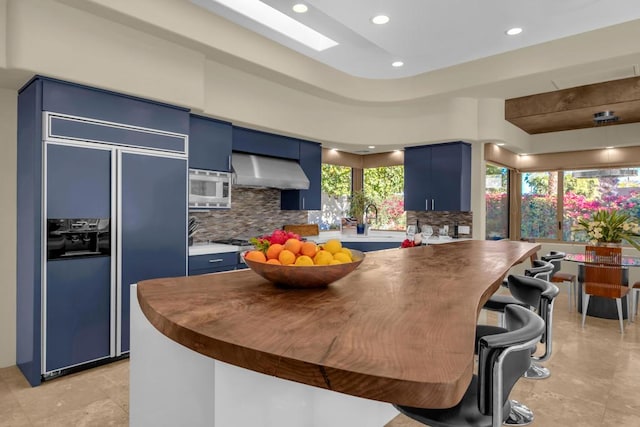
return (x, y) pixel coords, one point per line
(595, 381)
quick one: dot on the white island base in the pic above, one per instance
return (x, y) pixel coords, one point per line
(171, 385)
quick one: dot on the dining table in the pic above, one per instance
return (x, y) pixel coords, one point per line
(598, 306)
(233, 349)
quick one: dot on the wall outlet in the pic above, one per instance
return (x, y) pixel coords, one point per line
(464, 229)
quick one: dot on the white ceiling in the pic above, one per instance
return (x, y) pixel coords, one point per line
(432, 34)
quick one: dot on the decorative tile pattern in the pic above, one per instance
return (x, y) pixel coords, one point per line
(439, 219)
(254, 211)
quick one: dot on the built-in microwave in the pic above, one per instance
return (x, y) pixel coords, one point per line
(209, 189)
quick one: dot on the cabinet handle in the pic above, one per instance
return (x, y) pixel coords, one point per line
(215, 260)
(426, 204)
(433, 204)
(229, 163)
(303, 203)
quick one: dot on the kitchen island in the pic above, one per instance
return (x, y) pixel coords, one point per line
(399, 329)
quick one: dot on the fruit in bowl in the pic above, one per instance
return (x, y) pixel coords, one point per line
(302, 264)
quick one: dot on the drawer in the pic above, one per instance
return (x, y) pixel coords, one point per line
(214, 262)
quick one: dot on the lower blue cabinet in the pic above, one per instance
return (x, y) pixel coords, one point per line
(212, 263)
(370, 246)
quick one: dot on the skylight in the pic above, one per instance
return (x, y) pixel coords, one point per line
(280, 22)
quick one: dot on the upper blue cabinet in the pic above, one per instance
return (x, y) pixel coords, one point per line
(438, 177)
(210, 144)
(268, 144)
(311, 163)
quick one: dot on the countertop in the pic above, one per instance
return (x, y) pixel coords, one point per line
(211, 248)
(373, 236)
(357, 336)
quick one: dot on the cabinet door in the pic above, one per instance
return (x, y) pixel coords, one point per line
(450, 173)
(78, 290)
(417, 179)
(153, 224)
(256, 142)
(209, 144)
(311, 164)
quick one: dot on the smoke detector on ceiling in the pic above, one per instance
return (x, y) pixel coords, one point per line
(604, 117)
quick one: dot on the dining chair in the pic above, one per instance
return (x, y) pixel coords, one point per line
(557, 276)
(603, 277)
(635, 293)
(502, 359)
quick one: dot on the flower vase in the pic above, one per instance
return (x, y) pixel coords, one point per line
(609, 244)
(360, 228)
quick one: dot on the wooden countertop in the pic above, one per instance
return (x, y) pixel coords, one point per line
(399, 329)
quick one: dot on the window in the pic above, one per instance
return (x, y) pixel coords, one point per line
(385, 186)
(539, 205)
(336, 188)
(582, 191)
(587, 191)
(497, 202)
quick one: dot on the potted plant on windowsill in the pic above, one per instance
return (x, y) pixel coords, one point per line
(610, 227)
(357, 205)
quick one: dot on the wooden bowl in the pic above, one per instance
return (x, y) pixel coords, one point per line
(316, 276)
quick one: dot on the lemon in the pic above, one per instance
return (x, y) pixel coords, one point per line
(342, 257)
(322, 258)
(334, 261)
(348, 252)
(333, 246)
(304, 260)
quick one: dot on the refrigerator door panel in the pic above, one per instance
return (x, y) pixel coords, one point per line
(78, 182)
(78, 315)
(153, 230)
(78, 309)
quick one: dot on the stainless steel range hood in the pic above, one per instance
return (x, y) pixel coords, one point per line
(251, 170)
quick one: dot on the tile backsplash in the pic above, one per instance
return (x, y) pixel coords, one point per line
(254, 211)
(439, 219)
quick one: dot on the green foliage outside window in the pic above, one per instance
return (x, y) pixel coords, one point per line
(385, 186)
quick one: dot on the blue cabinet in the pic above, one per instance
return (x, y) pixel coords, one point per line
(311, 163)
(267, 144)
(210, 144)
(212, 263)
(438, 177)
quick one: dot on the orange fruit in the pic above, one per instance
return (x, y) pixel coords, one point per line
(293, 245)
(274, 261)
(304, 260)
(286, 257)
(274, 250)
(255, 256)
(309, 249)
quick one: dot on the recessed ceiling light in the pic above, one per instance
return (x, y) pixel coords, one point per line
(372, 146)
(397, 64)
(380, 19)
(300, 8)
(609, 148)
(523, 154)
(513, 31)
(500, 144)
(280, 22)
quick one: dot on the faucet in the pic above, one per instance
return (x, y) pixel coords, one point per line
(366, 212)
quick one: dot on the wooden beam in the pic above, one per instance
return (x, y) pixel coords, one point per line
(574, 108)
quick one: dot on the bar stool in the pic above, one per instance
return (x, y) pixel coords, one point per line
(556, 257)
(502, 358)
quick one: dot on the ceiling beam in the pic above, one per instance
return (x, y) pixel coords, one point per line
(574, 108)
